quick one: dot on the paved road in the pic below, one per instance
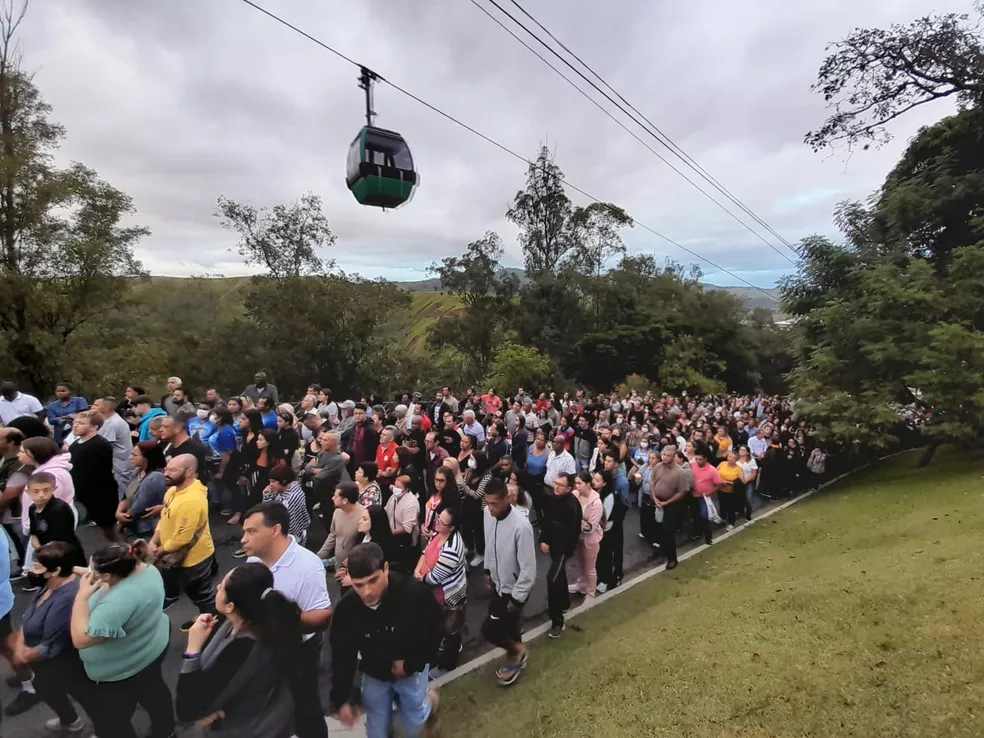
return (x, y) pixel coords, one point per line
(30, 724)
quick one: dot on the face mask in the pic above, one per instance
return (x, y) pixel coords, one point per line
(643, 444)
(203, 414)
(397, 491)
(213, 419)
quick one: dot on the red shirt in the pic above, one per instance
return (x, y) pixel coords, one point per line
(492, 404)
(386, 459)
(706, 479)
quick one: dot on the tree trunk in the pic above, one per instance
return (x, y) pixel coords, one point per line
(929, 454)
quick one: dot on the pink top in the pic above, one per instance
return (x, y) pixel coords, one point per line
(591, 512)
(706, 479)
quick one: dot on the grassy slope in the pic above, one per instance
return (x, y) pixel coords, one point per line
(857, 613)
(408, 328)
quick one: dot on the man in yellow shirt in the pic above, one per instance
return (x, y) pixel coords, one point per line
(183, 534)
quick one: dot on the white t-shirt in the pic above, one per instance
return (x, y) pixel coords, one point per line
(748, 467)
(20, 406)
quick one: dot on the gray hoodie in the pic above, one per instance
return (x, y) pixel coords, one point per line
(510, 554)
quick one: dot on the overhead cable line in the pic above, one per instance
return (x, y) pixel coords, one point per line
(498, 145)
(669, 142)
(628, 114)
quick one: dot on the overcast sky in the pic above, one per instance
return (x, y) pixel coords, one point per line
(182, 101)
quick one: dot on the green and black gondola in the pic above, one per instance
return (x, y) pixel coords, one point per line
(380, 169)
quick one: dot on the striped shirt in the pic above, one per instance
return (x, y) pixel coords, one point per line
(293, 499)
(449, 572)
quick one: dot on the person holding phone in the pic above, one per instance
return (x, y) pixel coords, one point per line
(237, 667)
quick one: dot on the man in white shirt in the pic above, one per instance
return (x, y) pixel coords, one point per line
(473, 428)
(14, 404)
(559, 461)
(758, 444)
(300, 575)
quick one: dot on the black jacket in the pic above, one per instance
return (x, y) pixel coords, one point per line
(370, 442)
(561, 528)
(408, 625)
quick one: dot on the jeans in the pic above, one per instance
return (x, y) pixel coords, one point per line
(412, 705)
(195, 580)
(558, 598)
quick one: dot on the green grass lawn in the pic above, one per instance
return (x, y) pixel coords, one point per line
(859, 612)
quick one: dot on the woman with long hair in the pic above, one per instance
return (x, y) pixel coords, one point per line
(444, 495)
(145, 491)
(288, 439)
(238, 664)
(121, 630)
(476, 478)
(593, 522)
(750, 468)
(442, 565)
(250, 427)
(374, 527)
(604, 484)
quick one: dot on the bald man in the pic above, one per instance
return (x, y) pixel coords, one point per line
(183, 541)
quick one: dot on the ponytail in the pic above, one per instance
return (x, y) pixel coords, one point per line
(121, 559)
(273, 619)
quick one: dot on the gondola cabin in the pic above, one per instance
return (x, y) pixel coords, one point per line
(380, 168)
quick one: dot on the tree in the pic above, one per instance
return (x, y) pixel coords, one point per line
(933, 200)
(65, 256)
(487, 292)
(542, 212)
(310, 322)
(875, 76)
(519, 366)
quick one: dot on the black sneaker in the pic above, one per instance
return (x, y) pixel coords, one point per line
(556, 630)
(239, 553)
(23, 702)
(670, 565)
(186, 626)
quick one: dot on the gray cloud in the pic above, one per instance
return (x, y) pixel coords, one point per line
(180, 102)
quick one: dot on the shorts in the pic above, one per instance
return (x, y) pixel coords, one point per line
(6, 627)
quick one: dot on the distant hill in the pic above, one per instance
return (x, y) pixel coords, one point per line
(752, 297)
(407, 329)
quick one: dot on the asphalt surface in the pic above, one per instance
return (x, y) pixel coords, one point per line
(638, 554)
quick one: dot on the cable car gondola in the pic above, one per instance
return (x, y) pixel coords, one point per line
(380, 169)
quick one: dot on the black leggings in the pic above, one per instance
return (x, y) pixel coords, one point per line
(474, 529)
(55, 679)
(111, 704)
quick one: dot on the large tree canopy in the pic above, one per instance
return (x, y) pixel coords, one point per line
(65, 257)
(877, 75)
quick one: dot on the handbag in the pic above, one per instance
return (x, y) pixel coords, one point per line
(174, 559)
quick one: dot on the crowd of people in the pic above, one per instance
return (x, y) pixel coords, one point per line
(411, 495)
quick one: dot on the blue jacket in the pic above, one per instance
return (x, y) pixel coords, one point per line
(155, 412)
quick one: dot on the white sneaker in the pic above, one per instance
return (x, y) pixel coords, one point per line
(729, 527)
(572, 589)
(476, 560)
(602, 588)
